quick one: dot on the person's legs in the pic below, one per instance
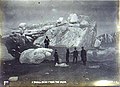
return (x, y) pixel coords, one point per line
(76, 59)
(67, 61)
(73, 59)
(58, 61)
(54, 62)
(46, 46)
(82, 59)
(84, 62)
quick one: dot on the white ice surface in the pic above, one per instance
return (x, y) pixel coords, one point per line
(35, 55)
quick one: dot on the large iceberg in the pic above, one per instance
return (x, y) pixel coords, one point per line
(35, 56)
(61, 65)
(112, 38)
(68, 34)
(108, 54)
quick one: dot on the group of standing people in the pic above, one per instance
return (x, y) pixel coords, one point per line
(75, 53)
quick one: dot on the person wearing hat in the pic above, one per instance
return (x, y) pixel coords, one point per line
(46, 42)
(56, 60)
(75, 55)
(67, 56)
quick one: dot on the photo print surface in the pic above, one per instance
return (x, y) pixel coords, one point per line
(63, 43)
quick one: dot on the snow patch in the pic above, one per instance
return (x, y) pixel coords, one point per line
(73, 18)
(61, 65)
(97, 43)
(60, 20)
(47, 73)
(22, 25)
(14, 78)
(95, 66)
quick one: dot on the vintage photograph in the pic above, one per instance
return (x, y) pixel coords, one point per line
(59, 43)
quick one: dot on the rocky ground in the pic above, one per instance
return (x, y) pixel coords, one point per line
(75, 74)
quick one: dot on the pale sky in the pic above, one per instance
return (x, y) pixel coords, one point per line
(39, 11)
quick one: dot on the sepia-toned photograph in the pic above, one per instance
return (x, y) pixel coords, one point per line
(59, 43)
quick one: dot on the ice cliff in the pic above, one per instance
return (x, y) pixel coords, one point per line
(107, 39)
(75, 31)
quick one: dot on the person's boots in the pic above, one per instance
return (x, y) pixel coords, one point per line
(84, 63)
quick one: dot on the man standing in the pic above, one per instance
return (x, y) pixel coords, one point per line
(67, 56)
(56, 57)
(46, 42)
(75, 55)
(83, 56)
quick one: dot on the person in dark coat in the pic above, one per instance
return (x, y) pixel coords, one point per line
(46, 42)
(75, 55)
(56, 57)
(67, 56)
(83, 56)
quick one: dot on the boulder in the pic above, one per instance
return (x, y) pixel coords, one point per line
(97, 43)
(5, 56)
(14, 78)
(35, 56)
